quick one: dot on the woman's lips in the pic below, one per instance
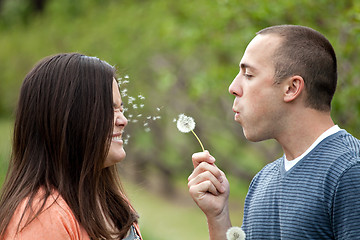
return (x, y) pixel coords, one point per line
(117, 137)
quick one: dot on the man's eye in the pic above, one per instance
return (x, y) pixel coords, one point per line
(248, 75)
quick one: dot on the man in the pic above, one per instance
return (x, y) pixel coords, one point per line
(283, 91)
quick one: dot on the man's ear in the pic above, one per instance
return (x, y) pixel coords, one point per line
(293, 88)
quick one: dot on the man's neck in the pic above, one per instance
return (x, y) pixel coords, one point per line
(302, 131)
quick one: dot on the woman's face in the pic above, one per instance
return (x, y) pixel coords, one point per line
(116, 151)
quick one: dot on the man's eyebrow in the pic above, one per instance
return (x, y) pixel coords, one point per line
(245, 65)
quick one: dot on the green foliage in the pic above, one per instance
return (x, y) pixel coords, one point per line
(182, 56)
(5, 150)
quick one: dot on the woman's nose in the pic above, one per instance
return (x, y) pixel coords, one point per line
(120, 120)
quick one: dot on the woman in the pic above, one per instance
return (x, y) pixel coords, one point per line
(62, 181)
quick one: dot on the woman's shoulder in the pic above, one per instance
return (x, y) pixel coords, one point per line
(56, 219)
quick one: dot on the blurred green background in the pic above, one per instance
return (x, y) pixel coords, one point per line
(181, 56)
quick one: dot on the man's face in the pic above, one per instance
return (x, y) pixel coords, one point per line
(258, 103)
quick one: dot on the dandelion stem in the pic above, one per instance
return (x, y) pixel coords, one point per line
(202, 147)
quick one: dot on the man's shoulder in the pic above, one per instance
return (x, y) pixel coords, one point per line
(335, 155)
(341, 145)
(351, 143)
(271, 168)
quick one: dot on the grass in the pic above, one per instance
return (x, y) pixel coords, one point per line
(162, 218)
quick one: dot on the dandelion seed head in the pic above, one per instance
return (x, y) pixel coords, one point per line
(185, 124)
(135, 106)
(235, 233)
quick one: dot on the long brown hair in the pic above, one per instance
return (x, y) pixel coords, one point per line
(62, 135)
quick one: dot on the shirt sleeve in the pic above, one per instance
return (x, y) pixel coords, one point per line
(346, 205)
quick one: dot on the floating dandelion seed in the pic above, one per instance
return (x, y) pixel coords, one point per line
(235, 233)
(135, 105)
(131, 100)
(186, 124)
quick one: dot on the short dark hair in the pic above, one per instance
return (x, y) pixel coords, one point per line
(307, 53)
(62, 135)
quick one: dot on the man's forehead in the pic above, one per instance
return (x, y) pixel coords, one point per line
(260, 49)
(264, 42)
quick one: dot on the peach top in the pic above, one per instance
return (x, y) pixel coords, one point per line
(56, 221)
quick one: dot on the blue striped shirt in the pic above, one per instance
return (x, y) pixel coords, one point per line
(319, 198)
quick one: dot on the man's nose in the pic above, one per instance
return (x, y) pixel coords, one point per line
(235, 87)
